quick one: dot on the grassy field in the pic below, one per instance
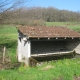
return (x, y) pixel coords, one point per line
(71, 25)
(66, 69)
(55, 70)
(8, 39)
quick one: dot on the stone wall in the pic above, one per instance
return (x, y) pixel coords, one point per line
(74, 45)
(27, 48)
(24, 50)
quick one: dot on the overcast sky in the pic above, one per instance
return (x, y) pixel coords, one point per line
(71, 5)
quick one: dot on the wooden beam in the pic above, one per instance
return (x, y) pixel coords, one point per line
(52, 54)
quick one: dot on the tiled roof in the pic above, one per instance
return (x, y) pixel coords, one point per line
(48, 32)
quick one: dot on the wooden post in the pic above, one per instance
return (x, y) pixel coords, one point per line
(4, 52)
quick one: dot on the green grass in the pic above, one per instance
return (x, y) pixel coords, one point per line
(72, 25)
(8, 29)
(65, 69)
(62, 23)
(76, 27)
(8, 38)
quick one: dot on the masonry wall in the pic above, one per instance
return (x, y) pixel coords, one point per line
(74, 45)
(27, 48)
(23, 50)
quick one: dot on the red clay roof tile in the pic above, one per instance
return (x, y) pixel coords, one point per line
(51, 32)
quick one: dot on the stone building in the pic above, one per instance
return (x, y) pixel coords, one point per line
(46, 41)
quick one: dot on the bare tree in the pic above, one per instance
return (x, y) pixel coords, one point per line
(9, 4)
(6, 5)
(33, 15)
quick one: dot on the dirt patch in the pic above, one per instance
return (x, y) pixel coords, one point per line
(47, 67)
(9, 65)
(77, 78)
(5, 61)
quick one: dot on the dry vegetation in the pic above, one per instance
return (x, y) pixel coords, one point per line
(38, 16)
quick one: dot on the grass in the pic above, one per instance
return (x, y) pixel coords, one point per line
(72, 25)
(62, 23)
(62, 69)
(8, 29)
(8, 38)
(65, 69)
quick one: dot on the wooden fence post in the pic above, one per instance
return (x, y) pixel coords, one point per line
(4, 52)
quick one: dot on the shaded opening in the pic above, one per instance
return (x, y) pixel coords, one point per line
(46, 47)
(51, 50)
(58, 49)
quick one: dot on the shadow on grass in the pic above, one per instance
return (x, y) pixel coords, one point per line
(8, 43)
